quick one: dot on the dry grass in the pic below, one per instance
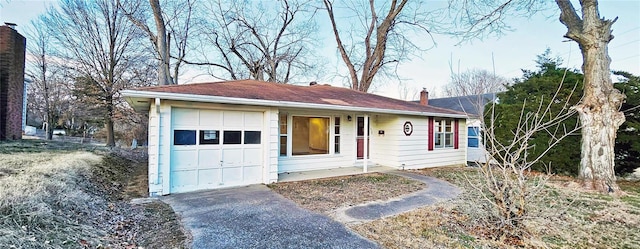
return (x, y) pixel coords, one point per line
(324, 195)
(60, 195)
(41, 203)
(566, 219)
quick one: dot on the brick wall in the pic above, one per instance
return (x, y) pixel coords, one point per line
(12, 53)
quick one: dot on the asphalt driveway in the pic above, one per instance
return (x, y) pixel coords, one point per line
(256, 217)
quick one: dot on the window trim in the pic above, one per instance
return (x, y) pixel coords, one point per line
(289, 134)
(434, 124)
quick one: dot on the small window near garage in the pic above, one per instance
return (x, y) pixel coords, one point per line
(336, 136)
(232, 137)
(252, 137)
(184, 137)
(209, 137)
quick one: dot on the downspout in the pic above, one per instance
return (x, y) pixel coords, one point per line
(156, 179)
(365, 144)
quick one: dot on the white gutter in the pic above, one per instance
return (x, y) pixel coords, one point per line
(260, 102)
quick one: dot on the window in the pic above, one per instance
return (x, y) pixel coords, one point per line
(283, 133)
(336, 135)
(443, 133)
(252, 137)
(232, 137)
(310, 135)
(184, 137)
(209, 137)
(473, 137)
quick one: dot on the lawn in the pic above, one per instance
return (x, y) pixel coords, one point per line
(328, 194)
(65, 195)
(564, 217)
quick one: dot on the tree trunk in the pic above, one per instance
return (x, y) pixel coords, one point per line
(111, 138)
(600, 117)
(162, 45)
(599, 110)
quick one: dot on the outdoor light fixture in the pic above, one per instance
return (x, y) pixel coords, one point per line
(348, 117)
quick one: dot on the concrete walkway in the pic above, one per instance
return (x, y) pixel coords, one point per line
(256, 217)
(436, 191)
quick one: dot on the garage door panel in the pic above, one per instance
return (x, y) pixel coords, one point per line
(252, 156)
(232, 119)
(184, 159)
(184, 178)
(253, 119)
(252, 173)
(210, 118)
(232, 176)
(208, 158)
(182, 116)
(210, 176)
(232, 157)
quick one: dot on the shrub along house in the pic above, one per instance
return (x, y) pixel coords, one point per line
(234, 133)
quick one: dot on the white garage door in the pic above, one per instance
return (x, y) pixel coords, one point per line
(213, 149)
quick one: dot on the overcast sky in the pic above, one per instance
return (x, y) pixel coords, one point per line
(507, 55)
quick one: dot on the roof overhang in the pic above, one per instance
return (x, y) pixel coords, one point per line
(141, 101)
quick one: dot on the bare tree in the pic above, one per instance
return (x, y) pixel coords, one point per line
(266, 41)
(173, 21)
(96, 41)
(507, 183)
(47, 90)
(376, 42)
(474, 82)
(599, 109)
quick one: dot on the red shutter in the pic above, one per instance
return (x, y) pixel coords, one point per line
(455, 134)
(430, 133)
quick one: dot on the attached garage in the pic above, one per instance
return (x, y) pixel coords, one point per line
(215, 148)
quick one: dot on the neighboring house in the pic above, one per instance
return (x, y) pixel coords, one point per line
(472, 105)
(234, 133)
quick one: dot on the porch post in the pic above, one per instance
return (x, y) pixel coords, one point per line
(365, 143)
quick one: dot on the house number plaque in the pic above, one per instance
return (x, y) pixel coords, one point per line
(408, 128)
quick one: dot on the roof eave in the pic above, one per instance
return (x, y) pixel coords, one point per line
(134, 96)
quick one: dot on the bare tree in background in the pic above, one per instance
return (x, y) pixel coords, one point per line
(173, 29)
(97, 42)
(599, 111)
(378, 36)
(270, 41)
(47, 90)
(474, 82)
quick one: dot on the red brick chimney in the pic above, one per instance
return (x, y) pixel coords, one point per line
(424, 97)
(12, 59)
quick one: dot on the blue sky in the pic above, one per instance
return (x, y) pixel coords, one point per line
(511, 52)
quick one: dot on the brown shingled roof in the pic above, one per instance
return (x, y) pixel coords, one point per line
(317, 94)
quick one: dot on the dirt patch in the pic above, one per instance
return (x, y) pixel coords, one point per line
(564, 218)
(325, 195)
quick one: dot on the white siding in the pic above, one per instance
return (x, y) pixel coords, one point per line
(155, 186)
(271, 138)
(395, 149)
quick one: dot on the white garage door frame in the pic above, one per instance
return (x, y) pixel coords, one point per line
(219, 165)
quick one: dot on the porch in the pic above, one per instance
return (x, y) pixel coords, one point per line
(317, 174)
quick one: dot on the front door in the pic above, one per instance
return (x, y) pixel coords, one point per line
(360, 138)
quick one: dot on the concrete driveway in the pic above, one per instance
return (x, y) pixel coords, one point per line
(256, 217)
